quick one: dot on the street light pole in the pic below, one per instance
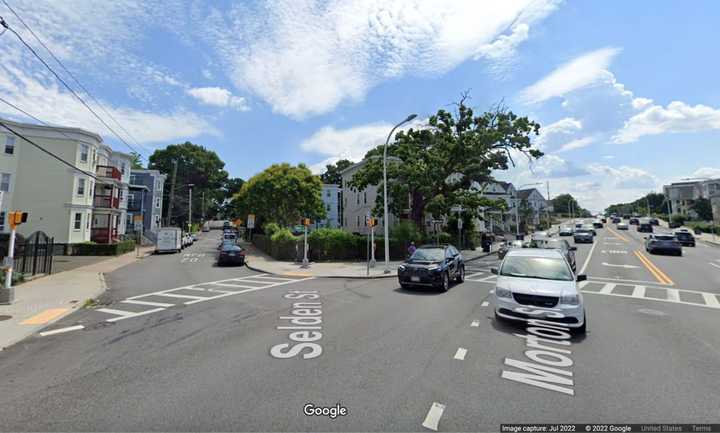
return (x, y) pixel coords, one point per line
(385, 198)
(190, 187)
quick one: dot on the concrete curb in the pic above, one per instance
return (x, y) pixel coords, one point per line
(356, 277)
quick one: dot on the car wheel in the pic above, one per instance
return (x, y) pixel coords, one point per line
(445, 284)
(582, 329)
(461, 275)
(679, 253)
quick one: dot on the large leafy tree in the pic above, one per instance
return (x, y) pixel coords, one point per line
(702, 208)
(229, 208)
(136, 161)
(565, 204)
(653, 201)
(439, 166)
(283, 194)
(332, 172)
(198, 166)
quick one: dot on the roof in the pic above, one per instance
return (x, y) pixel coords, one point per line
(60, 129)
(524, 194)
(535, 252)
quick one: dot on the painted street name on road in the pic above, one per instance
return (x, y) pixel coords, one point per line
(620, 266)
(549, 369)
(613, 251)
(306, 320)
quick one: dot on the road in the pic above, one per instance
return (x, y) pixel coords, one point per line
(201, 348)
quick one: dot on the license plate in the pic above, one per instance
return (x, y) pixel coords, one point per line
(231, 254)
(415, 279)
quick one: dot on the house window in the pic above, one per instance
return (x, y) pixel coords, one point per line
(122, 168)
(9, 145)
(84, 152)
(365, 196)
(357, 220)
(81, 187)
(77, 224)
(2, 221)
(157, 201)
(157, 219)
(5, 182)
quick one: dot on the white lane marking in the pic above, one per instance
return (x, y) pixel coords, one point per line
(654, 299)
(475, 323)
(433, 416)
(582, 284)
(491, 277)
(587, 260)
(253, 289)
(154, 310)
(239, 286)
(175, 295)
(148, 303)
(613, 251)
(256, 282)
(711, 300)
(62, 330)
(715, 265)
(673, 295)
(274, 278)
(460, 354)
(474, 275)
(607, 288)
(484, 304)
(638, 292)
(115, 312)
(620, 266)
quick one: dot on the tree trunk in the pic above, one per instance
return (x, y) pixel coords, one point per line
(417, 210)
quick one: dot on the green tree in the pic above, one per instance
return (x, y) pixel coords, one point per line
(439, 166)
(198, 166)
(136, 161)
(332, 172)
(702, 208)
(283, 194)
(229, 207)
(565, 204)
(651, 204)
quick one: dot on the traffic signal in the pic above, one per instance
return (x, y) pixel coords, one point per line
(16, 218)
(372, 222)
(306, 221)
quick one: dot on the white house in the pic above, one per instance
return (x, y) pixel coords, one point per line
(535, 201)
(358, 204)
(331, 195)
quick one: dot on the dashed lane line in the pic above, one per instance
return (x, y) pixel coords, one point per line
(485, 304)
(432, 419)
(475, 323)
(62, 330)
(460, 354)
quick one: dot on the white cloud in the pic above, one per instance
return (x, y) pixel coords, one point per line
(585, 70)
(609, 157)
(676, 117)
(567, 125)
(207, 73)
(711, 172)
(625, 177)
(641, 103)
(351, 143)
(576, 144)
(307, 57)
(218, 97)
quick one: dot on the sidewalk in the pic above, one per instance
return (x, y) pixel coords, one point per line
(708, 238)
(261, 262)
(45, 300)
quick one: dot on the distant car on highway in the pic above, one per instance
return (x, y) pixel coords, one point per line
(655, 221)
(622, 226)
(561, 245)
(603, 220)
(583, 235)
(659, 243)
(685, 238)
(626, 217)
(616, 220)
(644, 226)
(566, 231)
(432, 265)
(539, 235)
(634, 221)
(543, 279)
(591, 228)
(598, 224)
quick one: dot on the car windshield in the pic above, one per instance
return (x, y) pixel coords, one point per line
(665, 237)
(565, 228)
(683, 235)
(543, 268)
(582, 232)
(428, 255)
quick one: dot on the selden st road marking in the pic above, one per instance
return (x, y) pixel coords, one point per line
(654, 270)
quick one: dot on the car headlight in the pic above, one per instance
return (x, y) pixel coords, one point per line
(570, 300)
(401, 268)
(501, 292)
(433, 268)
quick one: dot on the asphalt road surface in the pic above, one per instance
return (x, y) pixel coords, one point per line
(179, 344)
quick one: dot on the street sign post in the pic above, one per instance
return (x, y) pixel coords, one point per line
(250, 225)
(305, 262)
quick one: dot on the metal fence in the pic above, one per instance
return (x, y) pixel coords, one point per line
(35, 255)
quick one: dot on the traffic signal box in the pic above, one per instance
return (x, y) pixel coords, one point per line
(372, 222)
(306, 221)
(16, 218)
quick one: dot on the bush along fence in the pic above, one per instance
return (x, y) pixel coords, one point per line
(93, 249)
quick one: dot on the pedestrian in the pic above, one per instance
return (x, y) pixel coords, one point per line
(411, 248)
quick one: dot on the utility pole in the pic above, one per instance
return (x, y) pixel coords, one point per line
(548, 205)
(190, 187)
(203, 206)
(172, 193)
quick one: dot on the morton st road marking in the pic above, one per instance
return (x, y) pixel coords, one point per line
(654, 270)
(45, 317)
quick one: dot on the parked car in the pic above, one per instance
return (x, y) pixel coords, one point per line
(645, 226)
(583, 236)
(432, 265)
(194, 237)
(685, 238)
(597, 224)
(530, 278)
(655, 221)
(561, 245)
(622, 226)
(510, 245)
(674, 225)
(187, 240)
(634, 221)
(667, 243)
(226, 242)
(616, 220)
(566, 231)
(231, 254)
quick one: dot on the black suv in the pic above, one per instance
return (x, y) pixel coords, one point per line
(685, 238)
(432, 265)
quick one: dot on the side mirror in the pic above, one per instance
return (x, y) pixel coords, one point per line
(494, 271)
(573, 248)
(581, 277)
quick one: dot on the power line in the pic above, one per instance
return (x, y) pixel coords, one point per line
(4, 125)
(32, 50)
(87, 92)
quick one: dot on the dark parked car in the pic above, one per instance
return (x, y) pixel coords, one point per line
(510, 245)
(558, 244)
(674, 225)
(685, 238)
(432, 265)
(654, 221)
(634, 221)
(231, 254)
(583, 236)
(663, 243)
(597, 224)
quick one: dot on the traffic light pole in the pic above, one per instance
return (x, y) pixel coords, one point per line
(7, 293)
(305, 262)
(372, 246)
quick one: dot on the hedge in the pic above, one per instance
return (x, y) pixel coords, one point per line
(93, 249)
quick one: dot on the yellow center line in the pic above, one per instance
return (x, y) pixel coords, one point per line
(657, 273)
(618, 235)
(44, 317)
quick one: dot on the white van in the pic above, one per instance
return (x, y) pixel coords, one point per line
(169, 239)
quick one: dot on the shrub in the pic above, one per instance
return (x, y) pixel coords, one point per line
(283, 245)
(95, 249)
(678, 219)
(270, 228)
(335, 244)
(405, 232)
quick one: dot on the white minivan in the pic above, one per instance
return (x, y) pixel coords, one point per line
(169, 240)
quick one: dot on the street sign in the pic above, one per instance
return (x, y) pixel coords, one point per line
(137, 225)
(456, 209)
(138, 218)
(251, 221)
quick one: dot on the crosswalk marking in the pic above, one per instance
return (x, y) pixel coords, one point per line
(148, 303)
(711, 299)
(638, 292)
(673, 295)
(607, 288)
(175, 295)
(474, 275)
(115, 312)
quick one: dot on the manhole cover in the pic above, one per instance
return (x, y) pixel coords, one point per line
(651, 312)
(5, 317)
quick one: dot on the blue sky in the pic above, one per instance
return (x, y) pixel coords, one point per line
(626, 92)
